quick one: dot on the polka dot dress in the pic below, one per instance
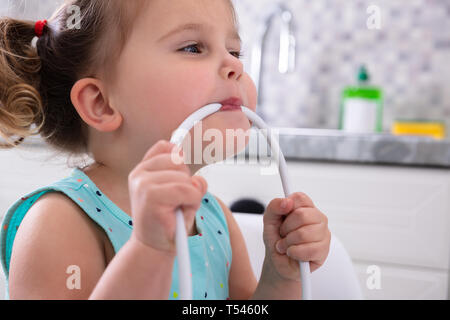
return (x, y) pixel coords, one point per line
(210, 253)
(210, 249)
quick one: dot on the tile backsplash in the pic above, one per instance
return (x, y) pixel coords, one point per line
(408, 56)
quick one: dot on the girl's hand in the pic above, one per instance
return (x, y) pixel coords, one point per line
(158, 185)
(299, 231)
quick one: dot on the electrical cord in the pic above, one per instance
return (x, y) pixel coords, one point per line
(182, 249)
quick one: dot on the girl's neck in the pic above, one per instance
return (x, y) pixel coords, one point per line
(112, 184)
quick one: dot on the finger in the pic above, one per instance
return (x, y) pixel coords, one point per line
(306, 234)
(168, 176)
(162, 146)
(200, 183)
(299, 218)
(189, 213)
(276, 206)
(313, 251)
(274, 214)
(177, 194)
(163, 162)
(301, 200)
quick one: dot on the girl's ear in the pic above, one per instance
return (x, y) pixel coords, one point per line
(89, 99)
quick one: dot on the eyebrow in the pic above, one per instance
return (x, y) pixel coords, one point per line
(198, 27)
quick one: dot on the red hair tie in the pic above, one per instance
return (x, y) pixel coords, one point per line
(39, 27)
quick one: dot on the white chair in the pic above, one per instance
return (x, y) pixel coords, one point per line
(336, 279)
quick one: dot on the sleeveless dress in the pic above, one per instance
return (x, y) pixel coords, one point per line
(209, 250)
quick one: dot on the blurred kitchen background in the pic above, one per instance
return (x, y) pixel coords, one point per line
(386, 191)
(407, 58)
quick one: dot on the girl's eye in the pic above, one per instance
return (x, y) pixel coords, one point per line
(237, 54)
(190, 46)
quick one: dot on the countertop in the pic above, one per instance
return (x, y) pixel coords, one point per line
(337, 146)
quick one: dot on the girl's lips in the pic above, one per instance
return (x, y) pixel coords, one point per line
(231, 108)
(231, 104)
(233, 101)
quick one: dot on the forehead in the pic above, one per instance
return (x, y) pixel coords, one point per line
(162, 17)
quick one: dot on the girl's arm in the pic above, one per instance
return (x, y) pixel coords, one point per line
(58, 253)
(242, 283)
(272, 288)
(136, 272)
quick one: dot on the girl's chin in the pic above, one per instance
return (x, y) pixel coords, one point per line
(215, 148)
(237, 127)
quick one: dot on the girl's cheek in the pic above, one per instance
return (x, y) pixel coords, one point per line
(190, 82)
(250, 92)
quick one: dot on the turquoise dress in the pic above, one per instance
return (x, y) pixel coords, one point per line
(210, 249)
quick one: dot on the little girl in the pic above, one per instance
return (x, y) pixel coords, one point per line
(114, 79)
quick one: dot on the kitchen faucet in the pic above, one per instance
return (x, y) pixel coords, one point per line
(286, 62)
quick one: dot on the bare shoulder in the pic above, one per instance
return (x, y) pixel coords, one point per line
(55, 237)
(58, 211)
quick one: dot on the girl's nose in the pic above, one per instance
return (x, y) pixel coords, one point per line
(232, 68)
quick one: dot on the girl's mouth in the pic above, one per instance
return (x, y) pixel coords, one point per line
(231, 104)
(231, 108)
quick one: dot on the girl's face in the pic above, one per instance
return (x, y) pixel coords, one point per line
(164, 76)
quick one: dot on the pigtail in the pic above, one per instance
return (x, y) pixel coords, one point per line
(36, 77)
(21, 104)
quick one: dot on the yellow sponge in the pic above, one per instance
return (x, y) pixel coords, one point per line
(435, 129)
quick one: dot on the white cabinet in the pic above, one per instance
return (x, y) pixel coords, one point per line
(23, 171)
(396, 218)
(402, 281)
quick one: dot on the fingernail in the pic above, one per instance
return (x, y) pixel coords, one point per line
(283, 204)
(279, 247)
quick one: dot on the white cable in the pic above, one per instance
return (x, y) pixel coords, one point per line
(184, 266)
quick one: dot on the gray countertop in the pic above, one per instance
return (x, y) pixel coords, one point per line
(337, 146)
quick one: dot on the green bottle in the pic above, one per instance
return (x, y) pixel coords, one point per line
(362, 106)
